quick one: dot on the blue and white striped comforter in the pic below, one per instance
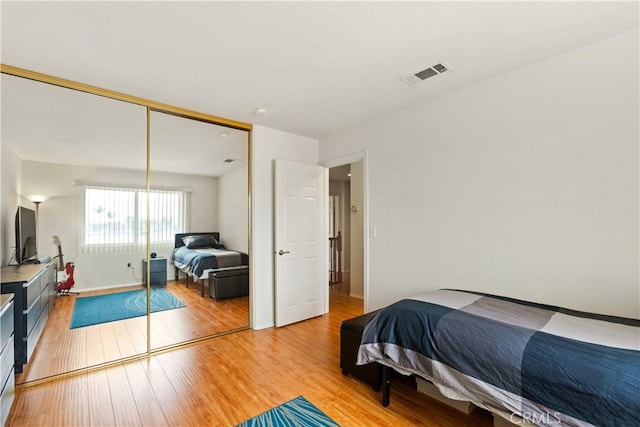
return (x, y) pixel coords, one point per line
(548, 365)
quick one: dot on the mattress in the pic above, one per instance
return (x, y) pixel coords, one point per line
(543, 363)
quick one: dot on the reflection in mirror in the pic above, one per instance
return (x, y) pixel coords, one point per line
(199, 189)
(86, 155)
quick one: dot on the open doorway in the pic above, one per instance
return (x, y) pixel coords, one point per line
(346, 233)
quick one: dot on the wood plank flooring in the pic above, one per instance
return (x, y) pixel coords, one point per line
(226, 380)
(62, 349)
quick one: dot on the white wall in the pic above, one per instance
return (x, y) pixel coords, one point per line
(61, 214)
(269, 144)
(525, 185)
(233, 211)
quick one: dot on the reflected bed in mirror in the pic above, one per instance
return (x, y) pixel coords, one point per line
(195, 156)
(203, 258)
(84, 152)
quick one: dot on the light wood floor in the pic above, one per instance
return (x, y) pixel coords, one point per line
(62, 349)
(226, 380)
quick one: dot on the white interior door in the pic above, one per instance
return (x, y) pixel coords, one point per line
(300, 241)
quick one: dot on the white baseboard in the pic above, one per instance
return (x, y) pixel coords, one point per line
(101, 288)
(263, 326)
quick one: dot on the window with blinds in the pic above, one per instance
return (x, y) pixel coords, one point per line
(115, 219)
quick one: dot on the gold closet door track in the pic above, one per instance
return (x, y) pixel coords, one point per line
(156, 106)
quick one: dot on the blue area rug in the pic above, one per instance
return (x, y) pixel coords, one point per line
(298, 412)
(120, 305)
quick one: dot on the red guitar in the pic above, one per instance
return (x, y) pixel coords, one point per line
(65, 272)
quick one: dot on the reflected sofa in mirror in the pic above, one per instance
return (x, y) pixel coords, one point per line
(203, 169)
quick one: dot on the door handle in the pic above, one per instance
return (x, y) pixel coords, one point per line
(281, 252)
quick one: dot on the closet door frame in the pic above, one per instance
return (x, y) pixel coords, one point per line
(163, 108)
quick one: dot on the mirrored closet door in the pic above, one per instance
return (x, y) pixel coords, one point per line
(199, 228)
(84, 156)
(120, 186)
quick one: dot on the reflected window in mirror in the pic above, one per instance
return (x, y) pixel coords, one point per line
(87, 153)
(53, 140)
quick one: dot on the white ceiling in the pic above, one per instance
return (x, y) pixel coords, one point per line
(318, 67)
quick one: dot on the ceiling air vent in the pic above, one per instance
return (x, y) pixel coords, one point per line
(420, 76)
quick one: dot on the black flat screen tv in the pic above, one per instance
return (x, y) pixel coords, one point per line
(26, 249)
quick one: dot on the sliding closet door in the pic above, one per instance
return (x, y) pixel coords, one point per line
(86, 155)
(198, 184)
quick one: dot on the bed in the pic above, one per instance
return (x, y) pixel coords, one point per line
(520, 360)
(202, 257)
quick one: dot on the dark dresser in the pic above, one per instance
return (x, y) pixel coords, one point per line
(34, 289)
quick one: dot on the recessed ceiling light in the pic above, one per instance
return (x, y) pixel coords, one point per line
(348, 174)
(259, 111)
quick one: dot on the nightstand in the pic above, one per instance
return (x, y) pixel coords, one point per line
(158, 272)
